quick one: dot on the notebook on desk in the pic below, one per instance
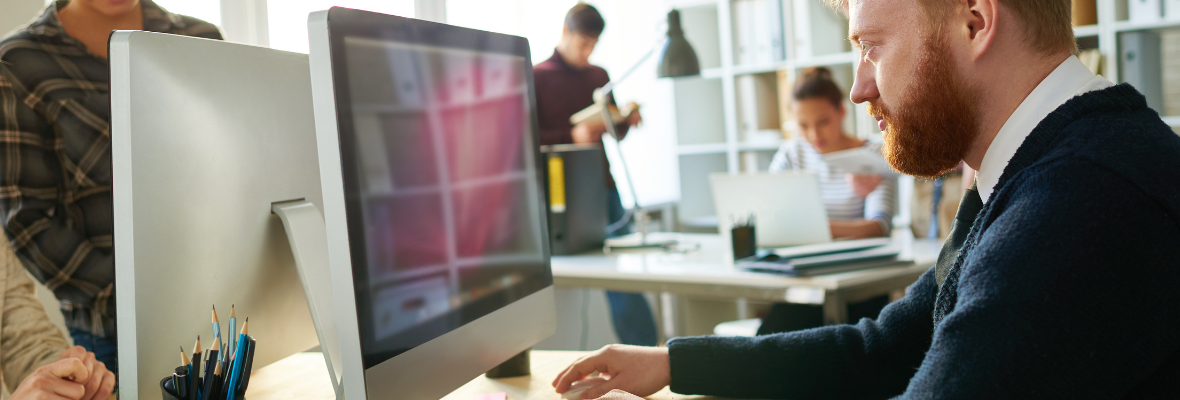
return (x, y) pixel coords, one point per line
(828, 263)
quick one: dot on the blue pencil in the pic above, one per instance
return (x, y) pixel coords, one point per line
(233, 327)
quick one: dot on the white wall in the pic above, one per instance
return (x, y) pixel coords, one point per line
(16, 13)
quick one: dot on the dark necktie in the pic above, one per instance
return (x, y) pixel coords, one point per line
(968, 209)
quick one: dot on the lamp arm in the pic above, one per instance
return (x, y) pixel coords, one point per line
(610, 129)
(600, 94)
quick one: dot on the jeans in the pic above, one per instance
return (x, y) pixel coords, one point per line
(104, 349)
(631, 315)
(615, 212)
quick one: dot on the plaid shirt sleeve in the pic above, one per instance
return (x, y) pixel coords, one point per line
(58, 218)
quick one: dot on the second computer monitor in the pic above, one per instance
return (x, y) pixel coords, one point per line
(433, 200)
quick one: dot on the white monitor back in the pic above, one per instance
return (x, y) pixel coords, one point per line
(206, 136)
(787, 207)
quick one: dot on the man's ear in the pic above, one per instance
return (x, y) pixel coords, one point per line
(978, 21)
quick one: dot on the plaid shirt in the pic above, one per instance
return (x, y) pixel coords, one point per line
(55, 160)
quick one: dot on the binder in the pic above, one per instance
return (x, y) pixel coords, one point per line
(1145, 10)
(1141, 65)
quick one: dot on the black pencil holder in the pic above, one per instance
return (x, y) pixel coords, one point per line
(518, 365)
(169, 396)
(745, 242)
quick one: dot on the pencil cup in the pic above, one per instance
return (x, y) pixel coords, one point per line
(169, 396)
(745, 243)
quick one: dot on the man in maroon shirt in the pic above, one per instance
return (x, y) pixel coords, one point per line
(565, 84)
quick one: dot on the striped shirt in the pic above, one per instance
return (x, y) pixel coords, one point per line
(55, 160)
(841, 201)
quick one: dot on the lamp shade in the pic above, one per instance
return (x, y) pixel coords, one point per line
(677, 58)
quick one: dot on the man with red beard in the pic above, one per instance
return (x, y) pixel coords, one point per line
(1060, 275)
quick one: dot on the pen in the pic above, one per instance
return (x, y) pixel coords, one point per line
(250, 344)
(181, 379)
(236, 369)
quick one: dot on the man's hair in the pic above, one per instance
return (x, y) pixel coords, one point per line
(1047, 25)
(585, 19)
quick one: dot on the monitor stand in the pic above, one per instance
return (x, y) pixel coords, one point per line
(309, 243)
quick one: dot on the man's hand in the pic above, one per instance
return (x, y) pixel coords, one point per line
(619, 395)
(57, 381)
(589, 131)
(633, 118)
(863, 185)
(101, 382)
(635, 369)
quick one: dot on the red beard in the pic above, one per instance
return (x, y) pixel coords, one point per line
(934, 126)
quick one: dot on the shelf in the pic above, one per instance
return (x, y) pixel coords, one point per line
(1085, 31)
(759, 69)
(691, 3)
(698, 149)
(825, 60)
(712, 73)
(1131, 26)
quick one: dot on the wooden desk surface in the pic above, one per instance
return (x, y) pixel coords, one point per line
(304, 376)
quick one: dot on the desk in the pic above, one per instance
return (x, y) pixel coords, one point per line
(304, 376)
(708, 272)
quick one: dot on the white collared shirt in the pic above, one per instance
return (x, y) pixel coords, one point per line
(1069, 80)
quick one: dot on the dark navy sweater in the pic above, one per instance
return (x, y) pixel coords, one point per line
(1067, 286)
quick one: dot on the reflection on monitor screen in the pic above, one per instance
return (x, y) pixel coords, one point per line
(446, 179)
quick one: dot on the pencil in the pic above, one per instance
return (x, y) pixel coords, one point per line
(195, 375)
(216, 326)
(233, 327)
(210, 369)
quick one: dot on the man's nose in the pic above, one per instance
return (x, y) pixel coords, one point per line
(865, 87)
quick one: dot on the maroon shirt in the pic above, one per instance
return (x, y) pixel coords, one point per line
(562, 91)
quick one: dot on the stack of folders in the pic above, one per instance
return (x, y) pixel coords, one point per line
(226, 373)
(826, 258)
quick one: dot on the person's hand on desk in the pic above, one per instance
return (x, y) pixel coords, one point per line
(642, 371)
(77, 376)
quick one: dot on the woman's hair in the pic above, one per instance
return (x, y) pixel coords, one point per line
(817, 83)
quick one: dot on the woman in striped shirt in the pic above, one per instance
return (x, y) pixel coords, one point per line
(858, 206)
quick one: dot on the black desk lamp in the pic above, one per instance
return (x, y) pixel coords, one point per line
(677, 59)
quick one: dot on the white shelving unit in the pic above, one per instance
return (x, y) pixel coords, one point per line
(722, 126)
(1114, 20)
(709, 110)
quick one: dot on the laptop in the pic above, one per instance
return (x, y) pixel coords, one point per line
(786, 207)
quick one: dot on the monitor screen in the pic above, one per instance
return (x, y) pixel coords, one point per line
(442, 188)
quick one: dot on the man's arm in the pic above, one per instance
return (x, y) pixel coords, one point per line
(28, 338)
(872, 359)
(45, 233)
(1070, 296)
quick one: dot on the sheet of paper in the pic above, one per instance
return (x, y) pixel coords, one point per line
(492, 396)
(860, 161)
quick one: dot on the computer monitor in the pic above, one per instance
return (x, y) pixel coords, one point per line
(206, 135)
(433, 200)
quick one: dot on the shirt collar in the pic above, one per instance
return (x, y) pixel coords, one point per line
(1070, 79)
